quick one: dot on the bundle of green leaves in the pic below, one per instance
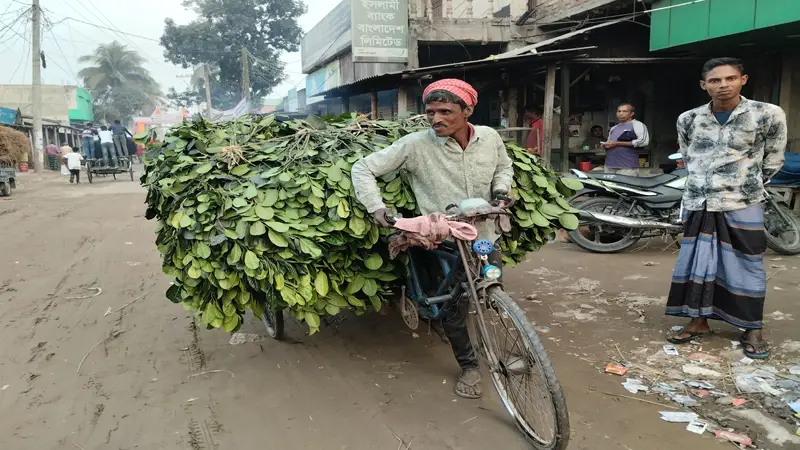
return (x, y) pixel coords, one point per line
(259, 213)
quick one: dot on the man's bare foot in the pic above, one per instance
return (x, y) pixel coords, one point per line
(696, 328)
(469, 384)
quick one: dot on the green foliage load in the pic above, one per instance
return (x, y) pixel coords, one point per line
(258, 213)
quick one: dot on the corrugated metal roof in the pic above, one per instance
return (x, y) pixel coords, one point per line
(421, 72)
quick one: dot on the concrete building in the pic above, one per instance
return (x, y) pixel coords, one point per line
(66, 105)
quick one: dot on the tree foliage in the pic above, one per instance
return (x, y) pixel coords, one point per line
(265, 28)
(120, 84)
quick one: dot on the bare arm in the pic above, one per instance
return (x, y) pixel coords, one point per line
(775, 144)
(365, 172)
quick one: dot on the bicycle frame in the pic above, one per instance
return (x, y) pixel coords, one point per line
(449, 260)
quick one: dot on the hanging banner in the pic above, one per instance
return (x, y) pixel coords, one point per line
(380, 31)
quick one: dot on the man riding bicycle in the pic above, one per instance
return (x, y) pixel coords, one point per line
(451, 162)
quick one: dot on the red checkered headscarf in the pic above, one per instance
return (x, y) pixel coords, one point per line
(459, 88)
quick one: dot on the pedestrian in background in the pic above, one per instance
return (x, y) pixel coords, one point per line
(120, 139)
(730, 146)
(74, 165)
(87, 135)
(533, 117)
(107, 145)
(52, 156)
(623, 140)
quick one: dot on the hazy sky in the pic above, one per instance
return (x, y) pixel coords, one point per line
(64, 42)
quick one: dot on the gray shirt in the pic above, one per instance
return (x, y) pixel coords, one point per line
(441, 173)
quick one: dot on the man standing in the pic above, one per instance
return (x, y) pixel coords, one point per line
(623, 140)
(452, 161)
(730, 147)
(88, 141)
(533, 117)
(120, 139)
(107, 145)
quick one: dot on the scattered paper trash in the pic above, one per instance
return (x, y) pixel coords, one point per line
(671, 350)
(747, 361)
(697, 426)
(616, 369)
(795, 406)
(698, 371)
(5, 387)
(733, 437)
(684, 400)
(702, 393)
(739, 402)
(663, 388)
(678, 417)
(634, 385)
(751, 383)
(699, 384)
(676, 328)
(242, 338)
(414, 335)
(650, 263)
(735, 344)
(794, 370)
(705, 358)
(134, 263)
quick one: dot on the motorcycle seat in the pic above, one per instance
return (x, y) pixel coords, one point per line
(641, 182)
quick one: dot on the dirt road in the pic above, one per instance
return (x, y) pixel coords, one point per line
(150, 379)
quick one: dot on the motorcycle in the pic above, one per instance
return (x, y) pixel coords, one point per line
(617, 211)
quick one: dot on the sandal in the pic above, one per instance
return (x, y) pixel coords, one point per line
(760, 350)
(470, 378)
(693, 336)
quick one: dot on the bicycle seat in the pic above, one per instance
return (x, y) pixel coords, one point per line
(642, 182)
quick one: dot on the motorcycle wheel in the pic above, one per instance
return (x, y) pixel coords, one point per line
(597, 238)
(782, 228)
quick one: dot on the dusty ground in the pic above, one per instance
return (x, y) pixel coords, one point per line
(150, 380)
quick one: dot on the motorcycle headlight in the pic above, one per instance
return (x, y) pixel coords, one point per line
(492, 272)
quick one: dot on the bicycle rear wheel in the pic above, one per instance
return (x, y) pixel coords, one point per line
(521, 372)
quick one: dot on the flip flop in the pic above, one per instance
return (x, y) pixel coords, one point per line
(473, 384)
(693, 336)
(760, 349)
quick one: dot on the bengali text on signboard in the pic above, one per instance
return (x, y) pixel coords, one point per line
(380, 31)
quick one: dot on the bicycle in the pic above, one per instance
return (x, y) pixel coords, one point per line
(495, 317)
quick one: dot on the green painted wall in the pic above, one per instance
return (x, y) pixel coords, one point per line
(85, 110)
(689, 22)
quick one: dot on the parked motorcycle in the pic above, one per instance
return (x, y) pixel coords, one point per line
(616, 211)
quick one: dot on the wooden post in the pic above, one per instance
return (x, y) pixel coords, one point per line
(513, 107)
(402, 101)
(448, 9)
(565, 81)
(346, 103)
(549, 99)
(374, 105)
(429, 10)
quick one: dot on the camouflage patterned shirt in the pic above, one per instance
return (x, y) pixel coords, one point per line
(729, 162)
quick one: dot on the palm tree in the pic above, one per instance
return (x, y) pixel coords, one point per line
(122, 87)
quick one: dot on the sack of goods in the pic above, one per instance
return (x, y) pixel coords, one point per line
(260, 213)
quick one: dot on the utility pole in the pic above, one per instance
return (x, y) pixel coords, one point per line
(207, 78)
(36, 89)
(245, 76)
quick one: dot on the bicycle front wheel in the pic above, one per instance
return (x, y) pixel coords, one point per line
(521, 372)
